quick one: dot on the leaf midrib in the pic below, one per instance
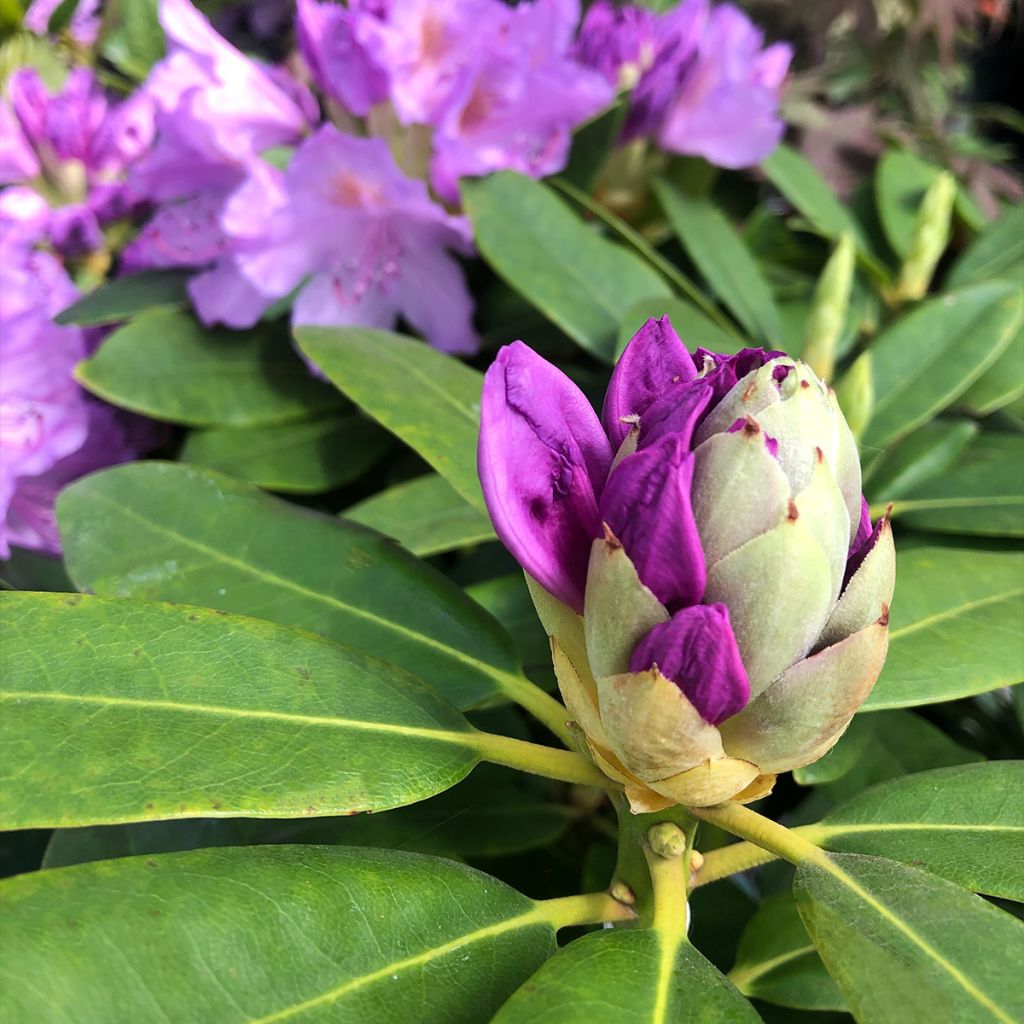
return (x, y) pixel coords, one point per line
(950, 613)
(264, 574)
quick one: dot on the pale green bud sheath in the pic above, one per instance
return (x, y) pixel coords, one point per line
(829, 308)
(931, 235)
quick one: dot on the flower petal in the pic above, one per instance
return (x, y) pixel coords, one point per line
(543, 459)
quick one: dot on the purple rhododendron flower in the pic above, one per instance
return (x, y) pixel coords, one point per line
(51, 431)
(77, 145)
(706, 86)
(84, 26)
(362, 242)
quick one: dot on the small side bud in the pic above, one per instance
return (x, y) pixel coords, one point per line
(622, 893)
(667, 840)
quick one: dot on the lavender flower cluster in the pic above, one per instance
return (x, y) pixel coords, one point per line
(330, 184)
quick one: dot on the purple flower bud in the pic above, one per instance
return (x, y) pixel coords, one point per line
(613, 39)
(863, 543)
(653, 360)
(863, 528)
(679, 411)
(543, 459)
(646, 505)
(697, 650)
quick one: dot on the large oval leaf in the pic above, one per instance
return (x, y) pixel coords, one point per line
(903, 467)
(724, 260)
(982, 493)
(954, 628)
(268, 934)
(430, 400)
(613, 976)
(580, 281)
(166, 531)
(128, 296)
(307, 457)
(119, 711)
(1001, 384)
(904, 945)
(426, 515)
(996, 252)
(925, 360)
(964, 823)
(777, 962)
(492, 813)
(168, 366)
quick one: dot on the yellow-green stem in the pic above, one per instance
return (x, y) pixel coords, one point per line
(590, 908)
(563, 765)
(761, 831)
(730, 860)
(668, 879)
(541, 705)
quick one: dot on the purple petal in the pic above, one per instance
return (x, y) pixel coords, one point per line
(653, 361)
(863, 528)
(864, 541)
(677, 412)
(646, 504)
(543, 459)
(697, 650)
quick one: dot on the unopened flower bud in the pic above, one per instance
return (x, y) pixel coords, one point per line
(931, 235)
(829, 308)
(732, 614)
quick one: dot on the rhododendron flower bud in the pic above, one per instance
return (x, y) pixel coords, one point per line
(703, 560)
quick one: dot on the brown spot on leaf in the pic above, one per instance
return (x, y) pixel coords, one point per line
(302, 672)
(193, 617)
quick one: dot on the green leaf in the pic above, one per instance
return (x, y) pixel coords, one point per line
(723, 259)
(917, 458)
(1001, 384)
(166, 365)
(964, 823)
(881, 746)
(592, 143)
(996, 252)
(308, 457)
(954, 628)
(131, 37)
(167, 531)
(429, 400)
(693, 327)
(929, 357)
(491, 813)
(901, 180)
(426, 515)
(267, 934)
(905, 946)
(126, 297)
(983, 493)
(508, 600)
(777, 962)
(609, 977)
(579, 280)
(147, 710)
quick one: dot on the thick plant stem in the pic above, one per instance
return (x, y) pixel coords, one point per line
(541, 705)
(669, 876)
(761, 831)
(591, 908)
(731, 860)
(563, 765)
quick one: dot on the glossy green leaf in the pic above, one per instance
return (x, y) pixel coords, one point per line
(265, 935)
(579, 280)
(1001, 384)
(723, 259)
(131, 37)
(592, 143)
(964, 823)
(167, 531)
(997, 252)
(626, 975)
(127, 297)
(917, 458)
(491, 813)
(982, 493)
(168, 366)
(777, 962)
(307, 457)
(929, 357)
(428, 399)
(901, 180)
(954, 628)
(694, 328)
(904, 945)
(508, 600)
(118, 711)
(427, 515)
(881, 746)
